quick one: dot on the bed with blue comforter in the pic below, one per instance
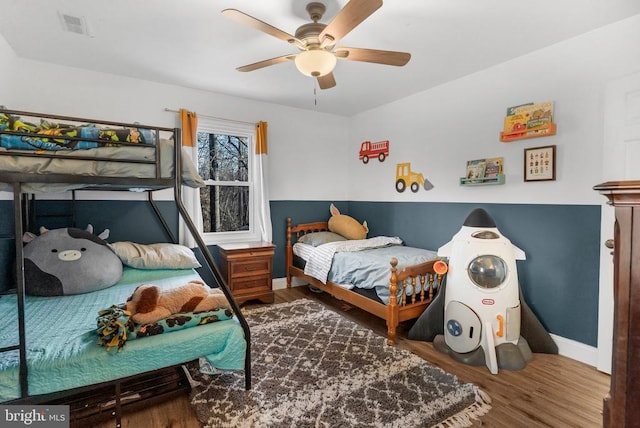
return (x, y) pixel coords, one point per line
(380, 275)
(62, 343)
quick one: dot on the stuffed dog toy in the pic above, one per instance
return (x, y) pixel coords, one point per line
(149, 303)
(346, 226)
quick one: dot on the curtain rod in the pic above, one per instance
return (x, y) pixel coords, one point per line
(212, 117)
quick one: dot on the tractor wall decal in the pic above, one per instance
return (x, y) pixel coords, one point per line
(404, 176)
(407, 178)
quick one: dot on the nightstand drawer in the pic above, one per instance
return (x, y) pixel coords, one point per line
(250, 267)
(244, 284)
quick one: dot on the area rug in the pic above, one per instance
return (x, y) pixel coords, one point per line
(314, 368)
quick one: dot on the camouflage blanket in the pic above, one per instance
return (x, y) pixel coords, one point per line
(52, 136)
(115, 327)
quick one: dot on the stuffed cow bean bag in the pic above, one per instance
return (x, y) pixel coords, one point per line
(69, 261)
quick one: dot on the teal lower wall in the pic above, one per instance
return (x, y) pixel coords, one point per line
(126, 221)
(559, 279)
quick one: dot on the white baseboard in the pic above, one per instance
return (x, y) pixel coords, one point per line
(576, 350)
(281, 283)
(566, 347)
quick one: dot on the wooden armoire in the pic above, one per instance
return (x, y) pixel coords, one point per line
(622, 405)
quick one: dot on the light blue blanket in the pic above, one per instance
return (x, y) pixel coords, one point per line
(62, 350)
(372, 268)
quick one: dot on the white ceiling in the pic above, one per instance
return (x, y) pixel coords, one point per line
(189, 43)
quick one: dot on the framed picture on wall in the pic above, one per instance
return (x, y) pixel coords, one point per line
(540, 163)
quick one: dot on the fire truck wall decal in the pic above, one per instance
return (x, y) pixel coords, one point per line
(407, 178)
(370, 150)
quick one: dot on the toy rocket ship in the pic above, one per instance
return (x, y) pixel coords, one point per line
(482, 304)
(479, 315)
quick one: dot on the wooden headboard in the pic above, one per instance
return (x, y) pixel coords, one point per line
(295, 232)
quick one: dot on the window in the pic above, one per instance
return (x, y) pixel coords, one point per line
(225, 161)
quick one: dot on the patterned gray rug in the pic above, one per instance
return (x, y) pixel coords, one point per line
(314, 368)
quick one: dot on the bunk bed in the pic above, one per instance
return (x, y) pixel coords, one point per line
(62, 153)
(414, 276)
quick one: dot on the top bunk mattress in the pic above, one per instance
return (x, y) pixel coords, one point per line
(38, 144)
(57, 164)
(62, 349)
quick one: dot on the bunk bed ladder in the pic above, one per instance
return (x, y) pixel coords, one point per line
(215, 271)
(211, 265)
(210, 262)
(31, 214)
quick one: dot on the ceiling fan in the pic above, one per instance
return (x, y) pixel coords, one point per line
(317, 41)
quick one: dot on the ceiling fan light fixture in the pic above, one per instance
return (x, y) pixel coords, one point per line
(315, 63)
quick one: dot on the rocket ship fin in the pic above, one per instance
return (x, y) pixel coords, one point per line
(489, 346)
(445, 250)
(518, 253)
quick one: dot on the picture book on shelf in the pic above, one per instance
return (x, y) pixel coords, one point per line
(475, 169)
(493, 167)
(527, 118)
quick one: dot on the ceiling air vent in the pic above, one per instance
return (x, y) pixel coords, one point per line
(74, 24)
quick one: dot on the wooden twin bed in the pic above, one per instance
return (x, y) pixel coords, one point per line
(411, 288)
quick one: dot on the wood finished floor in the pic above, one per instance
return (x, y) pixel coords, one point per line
(552, 391)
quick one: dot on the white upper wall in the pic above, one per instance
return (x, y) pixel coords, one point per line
(301, 142)
(313, 156)
(440, 129)
(8, 59)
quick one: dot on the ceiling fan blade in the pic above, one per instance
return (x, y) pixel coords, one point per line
(250, 21)
(347, 19)
(373, 55)
(266, 63)
(327, 81)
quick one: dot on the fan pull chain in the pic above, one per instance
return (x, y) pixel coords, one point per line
(315, 96)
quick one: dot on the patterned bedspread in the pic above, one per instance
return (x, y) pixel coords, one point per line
(115, 326)
(53, 136)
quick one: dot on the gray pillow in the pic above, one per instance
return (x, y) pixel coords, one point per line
(319, 238)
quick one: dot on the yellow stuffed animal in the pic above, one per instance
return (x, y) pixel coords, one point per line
(149, 304)
(346, 226)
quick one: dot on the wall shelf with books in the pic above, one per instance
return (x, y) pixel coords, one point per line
(542, 131)
(483, 172)
(528, 121)
(483, 181)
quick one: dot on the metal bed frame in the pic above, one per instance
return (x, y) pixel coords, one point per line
(102, 183)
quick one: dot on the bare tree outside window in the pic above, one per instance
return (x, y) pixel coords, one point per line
(223, 162)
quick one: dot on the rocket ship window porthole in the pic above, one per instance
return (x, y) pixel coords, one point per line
(485, 234)
(487, 271)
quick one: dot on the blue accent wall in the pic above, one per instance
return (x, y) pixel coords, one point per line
(7, 245)
(126, 220)
(559, 279)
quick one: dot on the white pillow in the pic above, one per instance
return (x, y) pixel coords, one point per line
(155, 256)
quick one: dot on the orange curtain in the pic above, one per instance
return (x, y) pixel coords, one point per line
(261, 138)
(189, 122)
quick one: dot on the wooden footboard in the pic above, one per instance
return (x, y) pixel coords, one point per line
(416, 285)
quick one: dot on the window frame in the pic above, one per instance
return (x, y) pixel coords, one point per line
(244, 130)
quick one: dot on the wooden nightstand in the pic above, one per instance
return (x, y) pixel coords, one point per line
(247, 268)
